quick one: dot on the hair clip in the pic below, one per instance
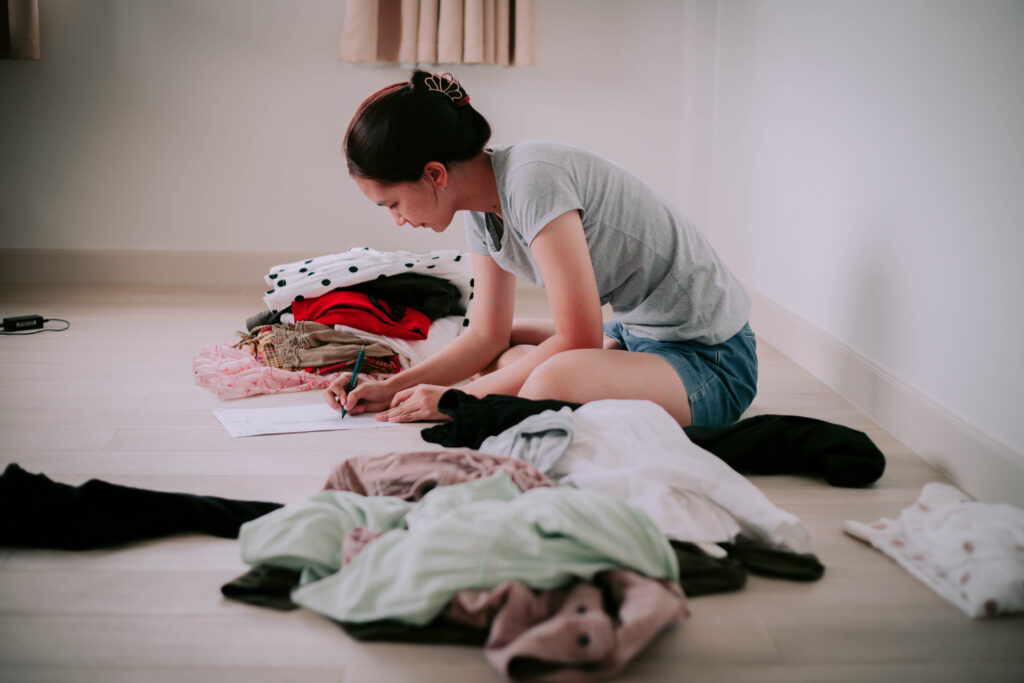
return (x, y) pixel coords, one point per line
(446, 84)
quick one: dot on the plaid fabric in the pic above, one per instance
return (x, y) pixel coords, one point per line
(260, 343)
(268, 351)
(371, 366)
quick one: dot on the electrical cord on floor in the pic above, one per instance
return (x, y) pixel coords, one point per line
(23, 325)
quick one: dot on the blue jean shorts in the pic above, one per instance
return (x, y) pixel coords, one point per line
(720, 379)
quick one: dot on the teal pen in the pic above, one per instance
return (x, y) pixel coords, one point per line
(355, 375)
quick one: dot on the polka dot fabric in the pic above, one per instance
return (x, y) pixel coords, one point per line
(317, 276)
(970, 553)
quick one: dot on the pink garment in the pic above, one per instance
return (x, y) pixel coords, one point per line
(410, 475)
(566, 633)
(233, 373)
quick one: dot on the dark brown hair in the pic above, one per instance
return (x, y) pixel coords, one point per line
(400, 128)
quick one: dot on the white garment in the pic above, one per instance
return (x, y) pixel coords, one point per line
(635, 451)
(359, 264)
(970, 553)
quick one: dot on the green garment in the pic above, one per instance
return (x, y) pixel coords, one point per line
(474, 535)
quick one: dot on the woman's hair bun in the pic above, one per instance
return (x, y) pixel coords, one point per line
(399, 129)
(441, 83)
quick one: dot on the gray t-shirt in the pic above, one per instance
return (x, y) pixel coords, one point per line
(653, 266)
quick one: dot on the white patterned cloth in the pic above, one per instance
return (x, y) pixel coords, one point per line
(319, 275)
(970, 553)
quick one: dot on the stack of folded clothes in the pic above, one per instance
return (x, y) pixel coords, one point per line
(399, 307)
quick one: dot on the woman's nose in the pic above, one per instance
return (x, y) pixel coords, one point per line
(398, 218)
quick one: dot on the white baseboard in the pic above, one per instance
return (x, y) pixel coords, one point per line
(981, 466)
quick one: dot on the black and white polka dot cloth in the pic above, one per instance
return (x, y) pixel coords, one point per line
(319, 275)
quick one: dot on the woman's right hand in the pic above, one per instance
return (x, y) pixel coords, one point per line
(369, 396)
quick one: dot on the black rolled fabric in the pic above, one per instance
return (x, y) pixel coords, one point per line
(774, 562)
(790, 444)
(440, 631)
(701, 574)
(265, 586)
(40, 513)
(474, 419)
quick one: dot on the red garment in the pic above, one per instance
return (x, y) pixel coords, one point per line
(363, 312)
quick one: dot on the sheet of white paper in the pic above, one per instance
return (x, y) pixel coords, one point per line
(290, 419)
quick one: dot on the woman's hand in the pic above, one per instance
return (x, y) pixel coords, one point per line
(418, 404)
(370, 395)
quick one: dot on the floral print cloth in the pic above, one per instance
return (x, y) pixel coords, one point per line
(234, 373)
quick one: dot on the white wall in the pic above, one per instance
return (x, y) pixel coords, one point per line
(867, 175)
(199, 125)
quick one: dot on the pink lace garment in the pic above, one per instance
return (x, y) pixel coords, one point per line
(234, 373)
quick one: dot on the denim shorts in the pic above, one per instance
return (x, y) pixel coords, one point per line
(720, 379)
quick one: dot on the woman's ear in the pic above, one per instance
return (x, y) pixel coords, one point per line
(437, 174)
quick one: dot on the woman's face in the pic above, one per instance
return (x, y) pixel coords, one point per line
(416, 203)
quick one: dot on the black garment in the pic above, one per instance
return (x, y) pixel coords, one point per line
(765, 444)
(775, 563)
(440, 631)
(40, 513)
(265, 586)
(790, 444)
(264, 318)
(474, 419)
(432, 296)
(701, 574)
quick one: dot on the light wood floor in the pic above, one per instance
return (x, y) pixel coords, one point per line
(114, 398)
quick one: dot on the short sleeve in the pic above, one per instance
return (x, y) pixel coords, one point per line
(538, 193)
(476, 232)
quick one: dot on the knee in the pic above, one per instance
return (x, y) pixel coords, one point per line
(506, 358)
(555, 378)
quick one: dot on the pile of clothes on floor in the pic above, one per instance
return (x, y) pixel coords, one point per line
(562, 538)
(398, 307)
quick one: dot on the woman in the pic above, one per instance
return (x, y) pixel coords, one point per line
(587, 230)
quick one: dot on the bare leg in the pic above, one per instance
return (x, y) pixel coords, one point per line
(531, 331)
(508, 357)
(526, 334)
(591, 374)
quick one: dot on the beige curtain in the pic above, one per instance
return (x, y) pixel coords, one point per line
(19, 29)
(440, 32)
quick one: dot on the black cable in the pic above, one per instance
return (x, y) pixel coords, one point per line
(50, 329)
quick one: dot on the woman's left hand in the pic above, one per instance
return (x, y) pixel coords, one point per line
(418, 404)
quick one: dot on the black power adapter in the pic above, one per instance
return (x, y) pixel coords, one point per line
(23, 322)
